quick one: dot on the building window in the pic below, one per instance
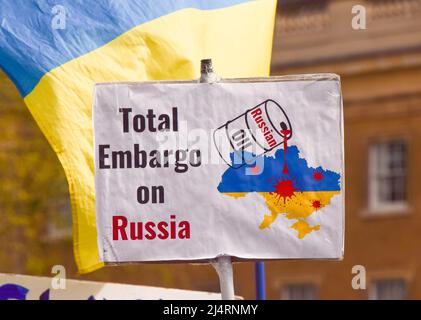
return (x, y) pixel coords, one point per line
(388, 289)
(387, 175)
(302, 291)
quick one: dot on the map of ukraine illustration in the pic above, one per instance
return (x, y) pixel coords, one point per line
(292, 189)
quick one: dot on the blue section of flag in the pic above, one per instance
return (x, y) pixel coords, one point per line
(30, 46)
(304, 177)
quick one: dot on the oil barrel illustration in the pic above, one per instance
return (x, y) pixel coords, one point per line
(255, 132)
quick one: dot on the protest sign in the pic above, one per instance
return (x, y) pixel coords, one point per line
(188, 171)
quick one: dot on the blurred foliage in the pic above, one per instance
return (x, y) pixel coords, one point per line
(34, 202)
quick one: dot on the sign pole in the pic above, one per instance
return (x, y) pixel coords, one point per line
(222, 264)
(260, 280)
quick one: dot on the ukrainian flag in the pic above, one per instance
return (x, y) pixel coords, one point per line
(56, 53)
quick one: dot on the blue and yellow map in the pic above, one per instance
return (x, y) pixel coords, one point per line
(296, 192)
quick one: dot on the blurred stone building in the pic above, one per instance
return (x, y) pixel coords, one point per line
(380, 67)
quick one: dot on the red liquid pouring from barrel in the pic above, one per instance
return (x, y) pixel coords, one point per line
(285, 132)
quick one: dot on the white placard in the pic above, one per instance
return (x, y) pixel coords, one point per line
(23, 287)
(190, 171)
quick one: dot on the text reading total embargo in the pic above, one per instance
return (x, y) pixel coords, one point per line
(137, 158)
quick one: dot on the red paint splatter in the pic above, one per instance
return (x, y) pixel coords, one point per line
(316, 204)
(318, 176)
(284, 189)
(285, 134)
